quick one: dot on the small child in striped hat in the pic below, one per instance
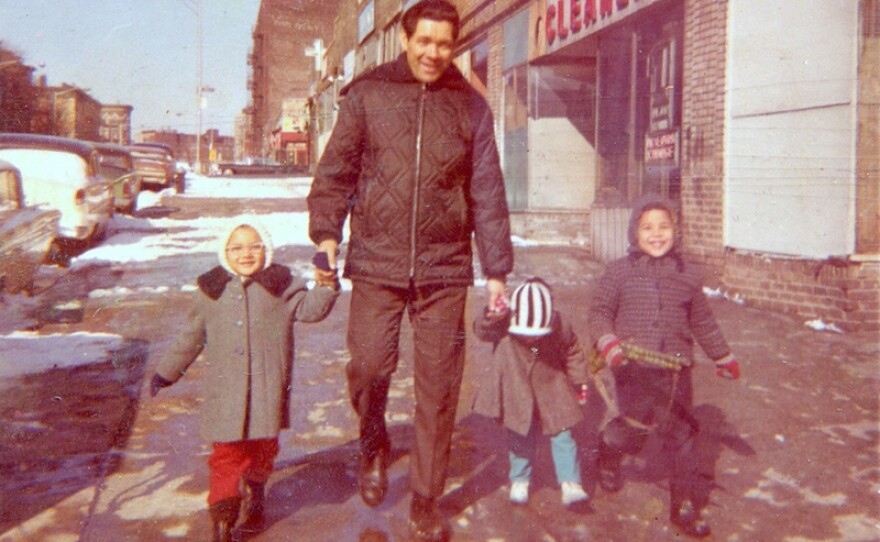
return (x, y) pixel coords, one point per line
(535, 386)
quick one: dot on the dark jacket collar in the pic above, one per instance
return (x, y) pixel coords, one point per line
(398, 71)
(274, 279)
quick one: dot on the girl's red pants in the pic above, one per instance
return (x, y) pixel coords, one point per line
(251, 460)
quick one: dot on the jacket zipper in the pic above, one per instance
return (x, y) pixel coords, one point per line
(415, 202)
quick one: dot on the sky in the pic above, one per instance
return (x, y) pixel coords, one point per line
(140, 52)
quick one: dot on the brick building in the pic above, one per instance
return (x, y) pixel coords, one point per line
(67, 111)
(769, 143)
(279, 68)
(116, 123)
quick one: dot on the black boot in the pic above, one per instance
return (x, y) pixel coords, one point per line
(224, 514)
(373, 477)
(426, 524)
(254, 508)
(686, 516)
(610, 478)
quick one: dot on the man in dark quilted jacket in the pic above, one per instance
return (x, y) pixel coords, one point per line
(413, 161)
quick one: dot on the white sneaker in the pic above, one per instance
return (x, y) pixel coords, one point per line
(519, 492)
(573, 494)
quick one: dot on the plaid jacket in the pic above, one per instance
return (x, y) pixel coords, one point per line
(656, 303)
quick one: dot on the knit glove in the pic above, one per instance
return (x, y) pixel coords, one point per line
(582, 394)
(610, 350)
(727, 367)
(157, 384)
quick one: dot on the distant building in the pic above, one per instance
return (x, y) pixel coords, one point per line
(16, 95)
(116, 123)
(67, 111)
(279, 68)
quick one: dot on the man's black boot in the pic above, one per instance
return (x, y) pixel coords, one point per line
(224, 514)
(254, 508)
(426, 524)
(373, 477)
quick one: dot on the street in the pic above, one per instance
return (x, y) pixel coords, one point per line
(86, 455)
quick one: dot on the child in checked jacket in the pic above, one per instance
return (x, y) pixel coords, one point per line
(242, 320)
(649, 307)
(535, 384)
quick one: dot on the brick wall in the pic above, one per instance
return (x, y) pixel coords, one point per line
(838, 291)
(705, 35)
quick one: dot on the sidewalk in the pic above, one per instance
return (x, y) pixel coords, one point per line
(794, 445)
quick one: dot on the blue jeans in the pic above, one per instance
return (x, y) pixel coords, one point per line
(562, 447)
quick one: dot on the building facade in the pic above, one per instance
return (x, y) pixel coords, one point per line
(116, 123)
(280, 70)
(66, 111)
(768, 143)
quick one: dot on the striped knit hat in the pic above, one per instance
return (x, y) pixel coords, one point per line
(532, 307)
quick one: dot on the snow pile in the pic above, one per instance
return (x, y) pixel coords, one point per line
(718, 293)
(819, 325)
(24, 352)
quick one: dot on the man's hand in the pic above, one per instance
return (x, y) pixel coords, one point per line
(497, 297)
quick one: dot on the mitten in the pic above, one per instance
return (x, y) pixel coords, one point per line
(582, 394)
(727, 367)
(610, 350)
(157, 384)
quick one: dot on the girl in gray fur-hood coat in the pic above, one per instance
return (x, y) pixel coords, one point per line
(242, 322)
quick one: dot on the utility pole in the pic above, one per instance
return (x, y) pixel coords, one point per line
(199, 87)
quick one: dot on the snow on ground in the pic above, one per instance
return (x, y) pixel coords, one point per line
(27, 352)
(134, 242)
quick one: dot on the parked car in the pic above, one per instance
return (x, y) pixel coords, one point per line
(26, 234)
(62, 174)
(157, 166)
(260, 168)
(116, 166)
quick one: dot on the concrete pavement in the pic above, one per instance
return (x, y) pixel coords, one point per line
(793, 445)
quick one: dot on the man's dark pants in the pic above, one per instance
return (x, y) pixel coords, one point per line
(437, 317)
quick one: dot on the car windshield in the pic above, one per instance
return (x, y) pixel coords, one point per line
(46, 164)
(113, 166)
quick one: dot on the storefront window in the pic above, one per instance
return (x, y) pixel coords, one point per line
(391, 41)
(515, 100)
(480, 66)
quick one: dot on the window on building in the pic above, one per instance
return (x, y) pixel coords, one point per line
(391, 41)
(515, 107)
(479, 64)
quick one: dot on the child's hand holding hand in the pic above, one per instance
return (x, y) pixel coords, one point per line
(727, 367)
(498, 311)
(325, 275)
